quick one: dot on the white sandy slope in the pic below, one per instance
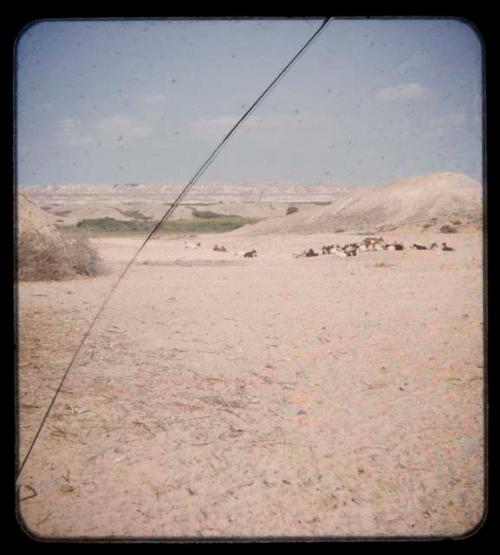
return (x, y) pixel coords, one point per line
(442, 197)
(30, 217)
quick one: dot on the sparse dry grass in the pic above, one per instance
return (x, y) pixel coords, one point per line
(47, 257)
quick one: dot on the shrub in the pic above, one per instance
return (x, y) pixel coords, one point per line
(134, 214)
(110, 224)
(209, 225)
(206, 214)
(84, 258)
(291, 210)
(448, 229)
(54, 257)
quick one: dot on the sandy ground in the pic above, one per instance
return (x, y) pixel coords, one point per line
(222, 396)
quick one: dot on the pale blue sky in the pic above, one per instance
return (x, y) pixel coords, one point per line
(139, 101)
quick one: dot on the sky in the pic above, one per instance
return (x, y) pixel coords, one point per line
(138, 101)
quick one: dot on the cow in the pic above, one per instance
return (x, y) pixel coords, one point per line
(340, 253)
(372, 242)
(446, 247)
(350, 250)
(250, 254)
(310, 253)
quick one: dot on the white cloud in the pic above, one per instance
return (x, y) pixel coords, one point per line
(115, 128)
(277, 122)
(45, 107)
(71, 132)
(404, 91)
(284, 121)
(416, 62)
(122, 126)
(455, 119)
(83, 140)
(220, 123)
(154, 98)
(67, 123)
(448, 124)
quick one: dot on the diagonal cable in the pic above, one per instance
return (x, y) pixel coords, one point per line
(165, 216)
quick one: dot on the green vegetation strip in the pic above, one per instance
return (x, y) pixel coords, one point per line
(218, 224)
(209, 215)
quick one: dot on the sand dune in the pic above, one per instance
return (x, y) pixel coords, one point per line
(31, 217)
(438, 198)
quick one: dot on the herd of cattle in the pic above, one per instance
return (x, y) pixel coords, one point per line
(351, 249)
(368, 244)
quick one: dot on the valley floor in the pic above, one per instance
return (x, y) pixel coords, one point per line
(226, 397)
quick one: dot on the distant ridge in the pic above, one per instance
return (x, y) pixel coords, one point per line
(433, 198)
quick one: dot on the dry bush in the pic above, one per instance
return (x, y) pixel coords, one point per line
(45, 257)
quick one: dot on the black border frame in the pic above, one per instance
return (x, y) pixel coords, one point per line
(484, 32)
